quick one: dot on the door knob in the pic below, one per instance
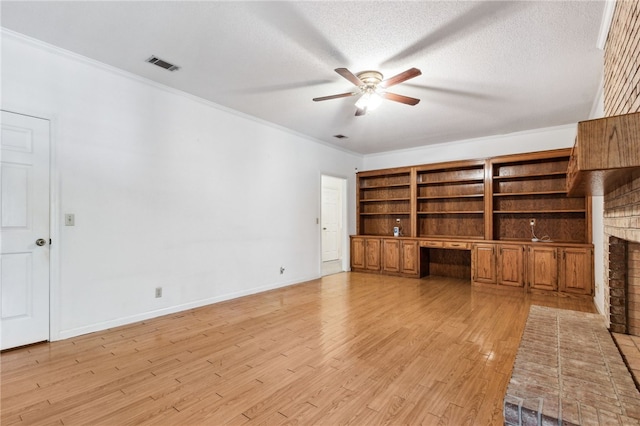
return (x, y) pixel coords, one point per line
(40, 242)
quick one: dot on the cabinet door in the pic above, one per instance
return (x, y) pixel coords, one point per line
(576, 271)
(391, 255)
(410, 257)
(357, 253)
(511, 265)
(372, 254)
(543, 268)
(484, 263)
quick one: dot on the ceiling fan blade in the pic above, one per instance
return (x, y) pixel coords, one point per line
(360, 111)
(349, 76)
(403, 76)
(341, 95)
(399, 98)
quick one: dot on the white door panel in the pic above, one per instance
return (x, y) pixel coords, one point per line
(330, 224)
(24, 219)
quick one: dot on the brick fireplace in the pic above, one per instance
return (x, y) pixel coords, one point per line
(622, 206)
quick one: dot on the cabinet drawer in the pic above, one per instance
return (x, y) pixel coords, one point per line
(431, 243)
(457, 245)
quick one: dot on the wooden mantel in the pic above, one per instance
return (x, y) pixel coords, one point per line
(606, 155)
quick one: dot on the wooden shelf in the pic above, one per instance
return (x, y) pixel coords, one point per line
(538, 211)
(453, 212)
(398, 185)
(445, 197)
(451, 182)
(382, 200)
(532, 176)
(386, 214)
(520, 194)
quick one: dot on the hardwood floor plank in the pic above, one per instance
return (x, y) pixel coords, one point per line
(349, 348)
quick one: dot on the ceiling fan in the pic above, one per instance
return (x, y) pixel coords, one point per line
(371, 86)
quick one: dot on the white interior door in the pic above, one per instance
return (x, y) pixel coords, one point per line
(24, 221)
(330, 225)
(331, 214)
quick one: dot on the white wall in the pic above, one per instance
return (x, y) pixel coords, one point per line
(514, 143)
(167, 190)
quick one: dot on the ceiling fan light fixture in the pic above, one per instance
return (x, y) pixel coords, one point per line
(370, 100)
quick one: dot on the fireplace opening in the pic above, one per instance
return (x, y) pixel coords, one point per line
(624, 286)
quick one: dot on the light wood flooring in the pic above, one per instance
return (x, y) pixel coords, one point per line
(349, 348)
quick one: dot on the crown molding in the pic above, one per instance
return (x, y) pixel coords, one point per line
(605, 24)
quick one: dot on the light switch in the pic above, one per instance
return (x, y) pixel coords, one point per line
(69, 219)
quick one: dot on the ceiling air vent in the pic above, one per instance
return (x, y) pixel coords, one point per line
(340, 136)
(162, 64)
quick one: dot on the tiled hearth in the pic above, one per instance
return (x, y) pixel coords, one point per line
(568, 370)
(630, 349)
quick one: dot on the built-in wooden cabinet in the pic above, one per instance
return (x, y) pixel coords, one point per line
(536, 266)
(372, 255)
(576, 271)
(510, 265)
(483, 263)
(365, 254)
(498, 264)
(395, 256)
(483, 208)
(358, 256)
(391, 254)
(542, 267)
(410, 259)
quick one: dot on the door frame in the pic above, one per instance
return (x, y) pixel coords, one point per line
(344, 234)
(54, 213)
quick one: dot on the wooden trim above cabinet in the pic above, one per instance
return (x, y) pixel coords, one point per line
(606, 155)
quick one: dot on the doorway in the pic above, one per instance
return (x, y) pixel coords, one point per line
(333, 221)
(24, 219)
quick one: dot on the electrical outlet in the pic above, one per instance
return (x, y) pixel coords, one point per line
(158, 292)
(532, 222)
(281, 270)
(69, 219)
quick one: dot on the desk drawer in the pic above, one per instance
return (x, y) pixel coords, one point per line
(457, 245)
(435, 244)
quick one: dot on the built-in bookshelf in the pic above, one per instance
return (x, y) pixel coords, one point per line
(529, 187)
(384, 201)
(450, 200)
(492, 199)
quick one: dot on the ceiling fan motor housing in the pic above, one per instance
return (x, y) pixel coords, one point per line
(370, 78)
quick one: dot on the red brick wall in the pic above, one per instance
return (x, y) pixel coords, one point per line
(622, 60)
(622, 96)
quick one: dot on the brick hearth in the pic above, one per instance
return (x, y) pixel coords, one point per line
(569, 371)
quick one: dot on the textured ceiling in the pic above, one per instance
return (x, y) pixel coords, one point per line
(487, 67)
